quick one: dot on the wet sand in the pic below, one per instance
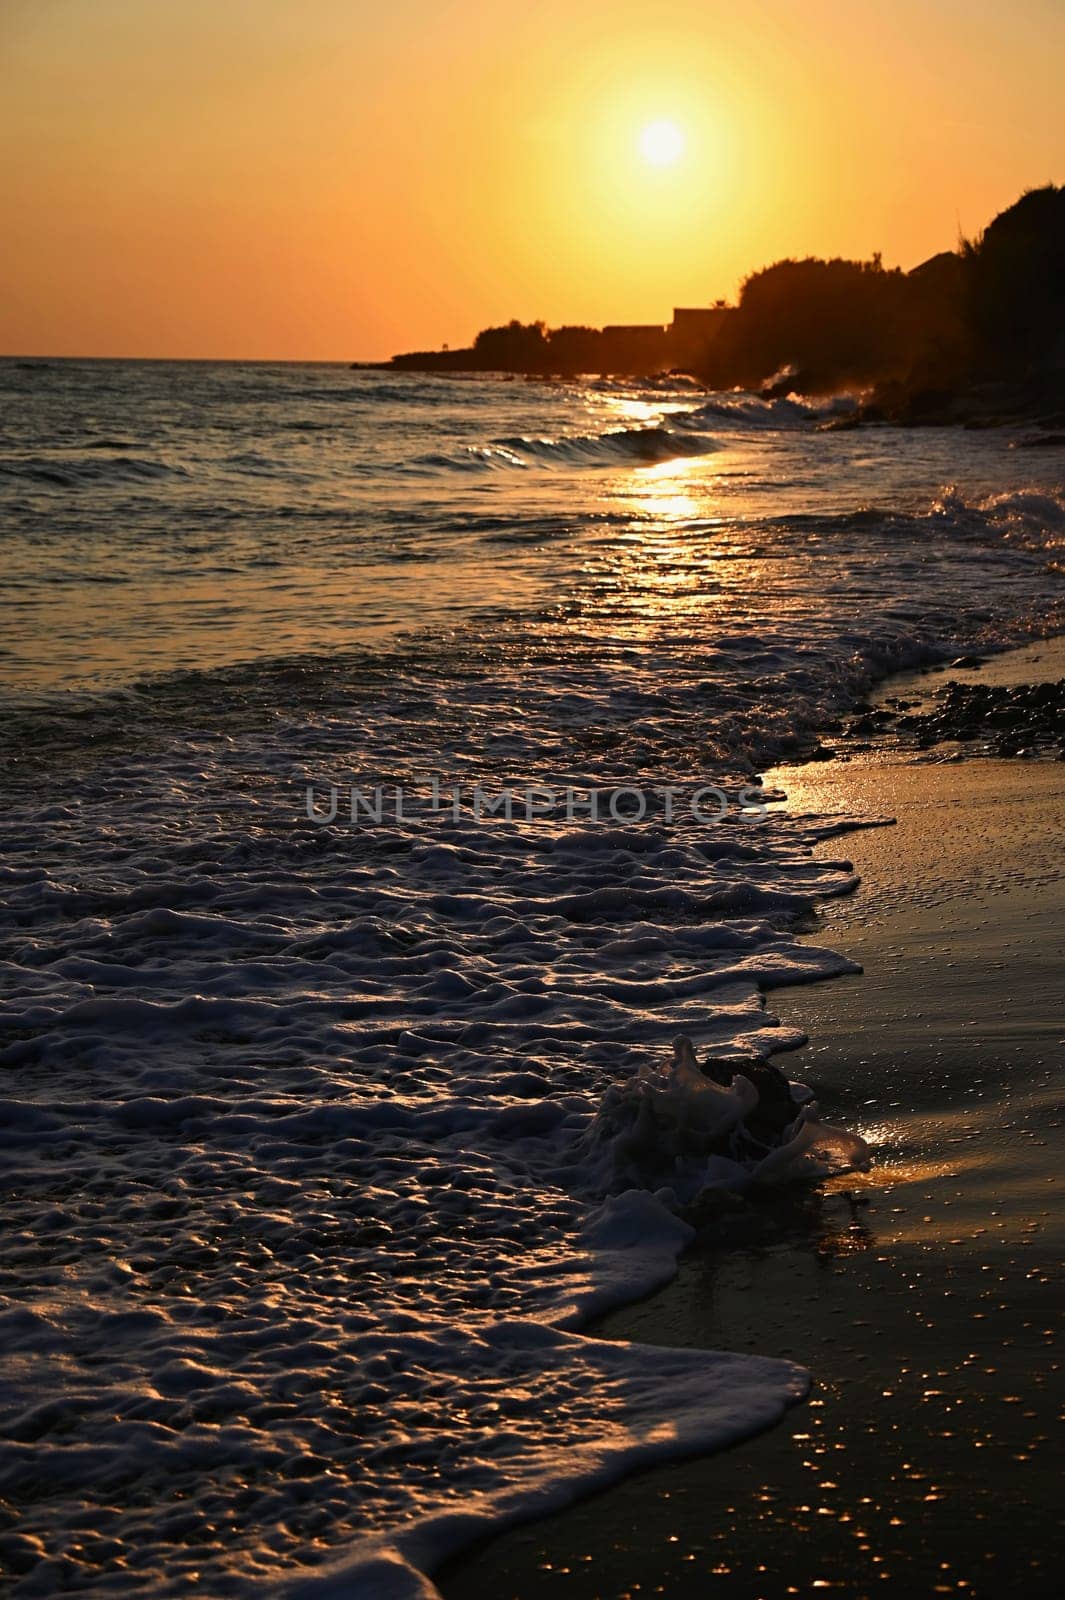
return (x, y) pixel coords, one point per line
(921, 1296)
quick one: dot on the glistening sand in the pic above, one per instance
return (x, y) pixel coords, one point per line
(922, 1297)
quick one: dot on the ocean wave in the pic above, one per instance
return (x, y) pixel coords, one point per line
(1029, 517)
(653, 383)
(621, 446)
(744, 410)
(70, 471)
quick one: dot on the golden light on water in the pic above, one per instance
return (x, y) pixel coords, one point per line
(671, 490)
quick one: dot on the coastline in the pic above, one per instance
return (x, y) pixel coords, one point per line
(919, 1294)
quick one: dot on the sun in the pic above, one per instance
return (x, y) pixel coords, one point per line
(661, 143)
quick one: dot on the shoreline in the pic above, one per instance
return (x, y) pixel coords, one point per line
(295, 1096)
(918, 1295)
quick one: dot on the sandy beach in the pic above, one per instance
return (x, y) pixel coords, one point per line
(921, 1295)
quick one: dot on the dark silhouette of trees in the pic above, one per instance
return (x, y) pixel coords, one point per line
(576, 349)
(992, 312)
(517, 347)
(824, 324)
(1016, 284)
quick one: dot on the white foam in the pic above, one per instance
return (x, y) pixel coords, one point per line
(310, 1175)
(604, 1410)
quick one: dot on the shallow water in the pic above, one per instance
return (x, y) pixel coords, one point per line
(305, 1171)
(188, 515)
(923, 1294)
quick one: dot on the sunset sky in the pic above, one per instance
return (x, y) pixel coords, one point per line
(334, 179)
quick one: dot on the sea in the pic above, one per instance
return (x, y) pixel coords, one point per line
(384, 850)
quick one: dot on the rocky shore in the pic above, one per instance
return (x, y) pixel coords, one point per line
(1025, 720)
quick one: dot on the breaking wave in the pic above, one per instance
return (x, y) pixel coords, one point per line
(623, 446)
(744, 410)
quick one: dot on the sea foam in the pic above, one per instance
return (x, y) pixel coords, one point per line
(314, 1145)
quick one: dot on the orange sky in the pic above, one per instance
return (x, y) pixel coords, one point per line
(334, 179)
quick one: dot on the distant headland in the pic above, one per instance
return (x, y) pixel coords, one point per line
(973, 334)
